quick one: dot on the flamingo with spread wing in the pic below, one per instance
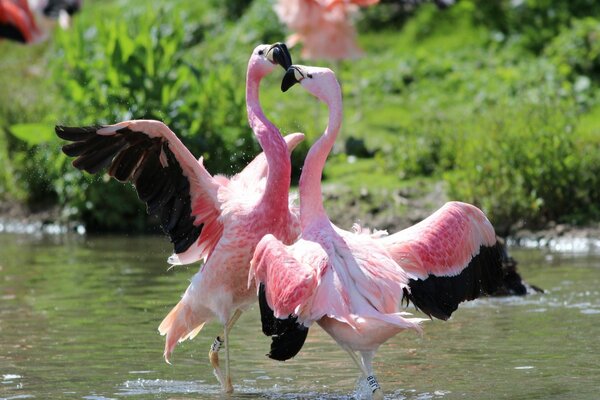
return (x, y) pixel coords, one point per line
(353, 283)
(210, 218)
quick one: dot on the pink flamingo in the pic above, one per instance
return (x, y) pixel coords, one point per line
(324, 27)
(17, 22)
(352, 283)
(216, 219)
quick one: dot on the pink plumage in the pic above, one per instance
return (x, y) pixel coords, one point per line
(443, 243)
(352, 283)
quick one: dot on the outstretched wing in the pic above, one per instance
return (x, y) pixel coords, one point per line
(452, 256)
(285, 286)
(173, 184)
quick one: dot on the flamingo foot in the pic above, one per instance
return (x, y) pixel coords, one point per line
(377, 393)
(228, 387)
(213, 356)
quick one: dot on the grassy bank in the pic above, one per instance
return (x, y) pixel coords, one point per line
(506, 117)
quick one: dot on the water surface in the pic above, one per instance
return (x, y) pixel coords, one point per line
(78, 319)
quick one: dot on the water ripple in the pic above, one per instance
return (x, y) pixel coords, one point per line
(144, 387)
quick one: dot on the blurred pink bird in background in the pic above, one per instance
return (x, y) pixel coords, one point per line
(211, 218)
(353, 283)
(17, 22)
(324, 27)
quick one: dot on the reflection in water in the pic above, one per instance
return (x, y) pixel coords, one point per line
(78, 319)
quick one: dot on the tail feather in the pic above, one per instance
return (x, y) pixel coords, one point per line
(182, 323)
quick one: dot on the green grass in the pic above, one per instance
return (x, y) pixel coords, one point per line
(444, 97)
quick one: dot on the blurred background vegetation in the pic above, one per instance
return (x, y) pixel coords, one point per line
(498, 99)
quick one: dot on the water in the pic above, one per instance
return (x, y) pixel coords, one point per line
(78, 319)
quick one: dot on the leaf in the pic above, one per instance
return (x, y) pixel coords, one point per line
(34, 133)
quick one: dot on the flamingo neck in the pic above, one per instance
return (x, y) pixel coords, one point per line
(273, 145)
(311, 200)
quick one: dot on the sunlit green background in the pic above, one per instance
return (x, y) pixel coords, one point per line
(496, 99)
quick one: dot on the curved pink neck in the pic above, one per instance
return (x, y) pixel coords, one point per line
(272, 143)
(311, 200)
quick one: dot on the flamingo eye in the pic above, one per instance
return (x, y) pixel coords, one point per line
(261, 52)
(309, 75)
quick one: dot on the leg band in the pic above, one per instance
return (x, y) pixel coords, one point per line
(216, 346)
(373, 384)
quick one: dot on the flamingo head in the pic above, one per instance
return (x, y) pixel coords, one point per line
(265, 57)
(320, 82)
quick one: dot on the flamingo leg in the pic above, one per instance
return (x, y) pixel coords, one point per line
(228, 386)
(358, 363)
(367, 362)
(213, 354)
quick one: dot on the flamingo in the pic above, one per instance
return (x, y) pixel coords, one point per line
(60, 10)
(208, 218)
(353, 283)
(17, 22)
(324, 27)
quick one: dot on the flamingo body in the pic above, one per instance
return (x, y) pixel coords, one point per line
(353, 283)
(339, 280)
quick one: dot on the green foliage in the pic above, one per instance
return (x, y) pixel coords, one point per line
(532, 23)
(33, 133)
(498, 98)
(8, 183)
(27, 98)
(576, 51)
(113, 71)
(524, 167)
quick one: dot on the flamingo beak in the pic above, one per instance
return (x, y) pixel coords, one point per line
(292, 76)
(279, 53)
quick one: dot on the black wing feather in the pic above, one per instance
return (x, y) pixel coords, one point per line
(75, 133)
(439, 296)
(125, 163)
(287, 335)
(135, 157)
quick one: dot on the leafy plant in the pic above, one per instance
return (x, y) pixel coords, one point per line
(532, 23)
(576, 51)
(113, 71)
(523, 166)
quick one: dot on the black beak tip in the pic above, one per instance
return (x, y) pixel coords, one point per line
(289, 80)
(281, 55)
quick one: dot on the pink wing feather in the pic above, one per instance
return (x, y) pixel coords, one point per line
(290, 283)
(444, 243)
(451, 256)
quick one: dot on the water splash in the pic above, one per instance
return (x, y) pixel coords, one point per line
(39, 228)
(561, 244)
